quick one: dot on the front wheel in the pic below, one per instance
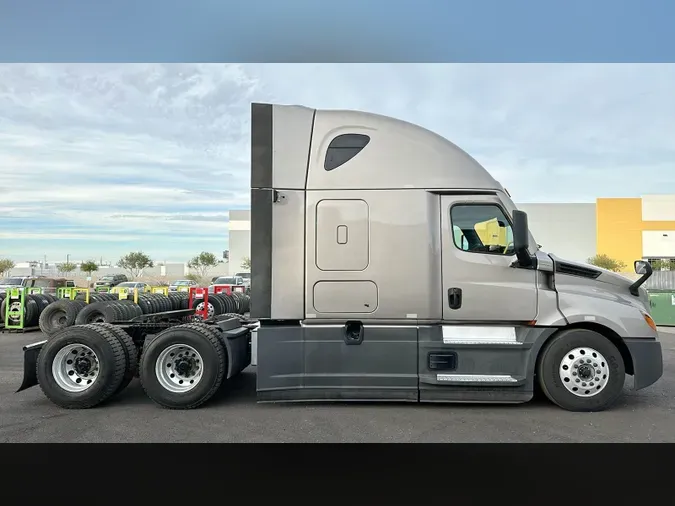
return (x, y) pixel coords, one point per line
(581, 370)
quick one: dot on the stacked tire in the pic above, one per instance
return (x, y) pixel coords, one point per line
(96, 297)
(34, 305)
(236, 303)
(59, 315)
(108, 311)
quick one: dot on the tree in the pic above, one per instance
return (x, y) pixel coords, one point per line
(135, 262)
(194, 277)
(6, 265)
(89, 266)
(203, 262)
(663, 265)
(66, 267)
(606, 262)
(246, 263)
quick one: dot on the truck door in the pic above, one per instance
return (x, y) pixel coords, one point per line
(479, 284)
(475, 352)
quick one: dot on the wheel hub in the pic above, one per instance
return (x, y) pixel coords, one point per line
(179, 368)
(82, 365)
(184, 366)
(584, 372)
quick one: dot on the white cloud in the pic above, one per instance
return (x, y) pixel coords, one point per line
(142, 156)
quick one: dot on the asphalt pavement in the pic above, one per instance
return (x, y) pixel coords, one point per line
(233, 416)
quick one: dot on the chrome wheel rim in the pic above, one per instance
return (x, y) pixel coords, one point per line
(179, 368)
(75, 368)
(210, 310)
(584, 372)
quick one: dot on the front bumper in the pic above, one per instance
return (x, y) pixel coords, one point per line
(647, 361)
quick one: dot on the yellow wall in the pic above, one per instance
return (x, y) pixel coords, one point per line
(619, 229)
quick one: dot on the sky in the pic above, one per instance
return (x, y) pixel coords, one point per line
(101, 159)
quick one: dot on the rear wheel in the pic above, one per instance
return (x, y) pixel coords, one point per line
(581, 370)
(81, 367)
(183, 367)
(130, 350)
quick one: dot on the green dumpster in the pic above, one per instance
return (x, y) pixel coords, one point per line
(662, 307)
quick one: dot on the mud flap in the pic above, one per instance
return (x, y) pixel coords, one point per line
(30, 356)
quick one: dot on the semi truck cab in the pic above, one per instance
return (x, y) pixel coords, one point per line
(388, 264)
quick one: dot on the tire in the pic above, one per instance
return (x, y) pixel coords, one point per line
(229, 305)
(51, 297)
(30, 312)
(560, 370)
(235, 315)
(197, 305)
(144, 305)
(238, 303)
(175, 302)
(152, 305)
(97, 312)
(167, 303)
(42, 302)
(119, 311)
(56, 317)
(130, 351)
(108, 354)
(213, 363)
(220, 304)
(247, 301)
(162, 302)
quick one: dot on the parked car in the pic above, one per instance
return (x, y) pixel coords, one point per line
(246, 276)
(227, 280)
(110, 280)
(48, 285)
(12, 282)
(130, 286)
(182, 283)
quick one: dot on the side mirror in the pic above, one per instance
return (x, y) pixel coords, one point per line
(521, 238)
(641, 267)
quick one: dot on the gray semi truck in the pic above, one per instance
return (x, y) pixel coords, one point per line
(387, 265)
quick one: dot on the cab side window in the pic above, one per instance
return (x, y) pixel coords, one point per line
(481, 228)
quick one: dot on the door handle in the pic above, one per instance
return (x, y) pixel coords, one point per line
(455, 298)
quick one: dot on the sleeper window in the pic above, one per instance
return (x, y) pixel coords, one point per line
(481, 229)
(343, 148)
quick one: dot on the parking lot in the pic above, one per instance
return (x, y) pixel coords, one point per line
(233, 416)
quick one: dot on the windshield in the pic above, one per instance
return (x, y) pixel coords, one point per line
(181, 282)
(245, 275)
(128, 285)
(11, 281)
(225, 281)
(106, 278)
